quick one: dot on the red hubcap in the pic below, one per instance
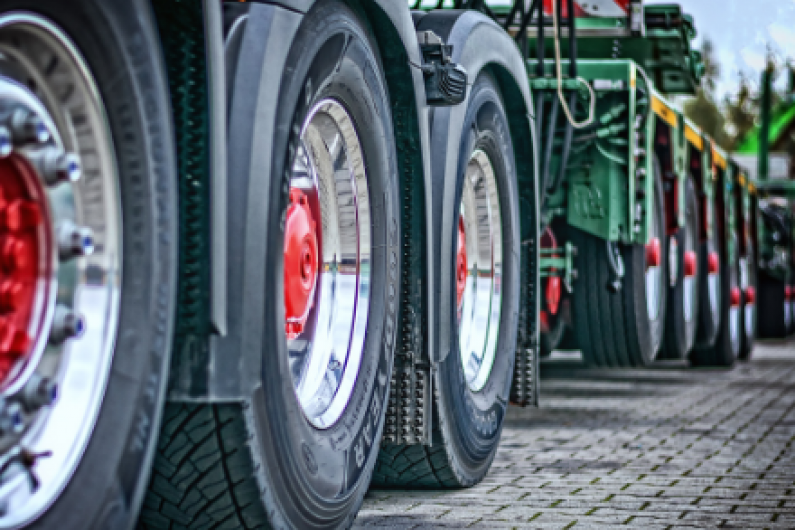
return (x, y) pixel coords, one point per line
(735, 297)
(691, 264)
(713, 263)
(788, 292)
(653, 253)
(461, 263)
(553, 290)
(750, 296)
(24, 259)
(300, 263)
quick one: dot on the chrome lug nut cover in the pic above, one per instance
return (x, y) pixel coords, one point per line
(66, 324)
(55, 166)
(74, 241)
(27, 127)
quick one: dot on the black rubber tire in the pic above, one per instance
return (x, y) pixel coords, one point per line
(467, 424)
(749, 314)
(260, 463)
(709, 311)
(772, 304)
(680, 334)
(725, 351)
(120, 44)
(559, 334)
(615, 329)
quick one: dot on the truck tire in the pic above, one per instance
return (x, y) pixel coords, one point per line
(683, 304)
(726, 349)
(624, 328)
(775, 319)
(472, 390)
(558, 330)
(709, 273)
(88, 182)
(299, 452)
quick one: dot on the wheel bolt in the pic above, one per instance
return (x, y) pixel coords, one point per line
(74, 241)
(11, 295)
(14, 254)
(55, 166)
(12, 418)
(6, 143)
(22, 215)
(27, 127)
(66, 324)
(38, 392)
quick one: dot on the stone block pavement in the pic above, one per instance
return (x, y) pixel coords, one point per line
(668, 447)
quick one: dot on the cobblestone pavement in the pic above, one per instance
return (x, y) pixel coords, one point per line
(663, 448)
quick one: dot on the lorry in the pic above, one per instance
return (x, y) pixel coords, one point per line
(259, 255)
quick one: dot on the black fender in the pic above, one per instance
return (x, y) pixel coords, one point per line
(478, 43)
(225, 370)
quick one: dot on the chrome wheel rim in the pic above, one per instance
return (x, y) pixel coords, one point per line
(690, 266)
(68, 362)
(479, 297)
(325, 335)
(654, 273)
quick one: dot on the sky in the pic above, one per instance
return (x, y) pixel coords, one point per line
(740, 31)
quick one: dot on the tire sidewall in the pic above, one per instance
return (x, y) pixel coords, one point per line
(119, 42)
(319, 476)
(474, 419)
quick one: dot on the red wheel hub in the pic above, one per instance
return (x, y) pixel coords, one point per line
(461, 263)
(734, 299)
(300, 263)
(653, 253)
(750, 296)
(691, 264)
(789, 292)
(713, 263)
(25, 246)
(553, 291)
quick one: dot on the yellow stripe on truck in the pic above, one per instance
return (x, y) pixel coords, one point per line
(718, 159)
(694, 138)
(665, 112)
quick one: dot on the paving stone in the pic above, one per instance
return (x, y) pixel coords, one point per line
(667, 447)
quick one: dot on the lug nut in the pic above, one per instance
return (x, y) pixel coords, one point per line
(38, 392)
(27, 127)
(74, 241)
(66, 324)
(6, 144)
(12, 417)
(55, 166)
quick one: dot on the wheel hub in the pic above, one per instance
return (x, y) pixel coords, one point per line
(327, 263)
(713, 263)
(653, 253)
(25, 243)
(691, 264)
(50, 271)
(479, 311)
(300, 263)
(461, 263)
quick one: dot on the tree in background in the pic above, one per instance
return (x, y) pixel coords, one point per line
(703, 109)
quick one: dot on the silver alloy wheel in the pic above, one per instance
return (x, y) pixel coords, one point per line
(745, 283)
(50, 104)
(326, 349)
(713, 278)
(689, 283)
(480, 303)
(654, 279)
